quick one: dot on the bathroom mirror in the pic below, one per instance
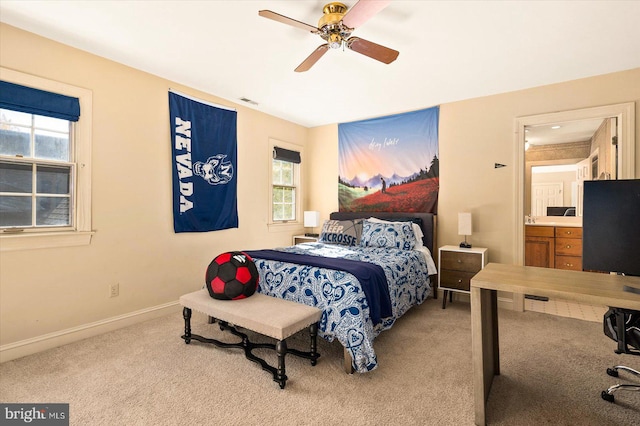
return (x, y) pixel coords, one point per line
(559, 157)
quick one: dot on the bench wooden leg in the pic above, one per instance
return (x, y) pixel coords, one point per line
(280, 376)
(313, 332)
(186, 314)
(313, 354)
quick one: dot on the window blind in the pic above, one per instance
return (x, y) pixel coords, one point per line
(286, 155)
(35, 101)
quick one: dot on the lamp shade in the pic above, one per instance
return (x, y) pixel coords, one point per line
(464, 223)
(311, 219)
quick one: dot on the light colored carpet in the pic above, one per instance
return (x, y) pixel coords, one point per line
(553, 370)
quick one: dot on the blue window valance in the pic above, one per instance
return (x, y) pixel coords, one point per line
(286, 155)
(40, 102)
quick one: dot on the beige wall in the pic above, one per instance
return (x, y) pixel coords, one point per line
(476, 133)
(53, 290)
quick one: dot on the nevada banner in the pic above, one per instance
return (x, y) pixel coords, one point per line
(204, 148)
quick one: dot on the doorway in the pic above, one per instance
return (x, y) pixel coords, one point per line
(624, 160)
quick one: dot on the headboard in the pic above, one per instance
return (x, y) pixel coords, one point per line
(428, 222)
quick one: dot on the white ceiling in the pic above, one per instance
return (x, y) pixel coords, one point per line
(563, 132)
(449, 50)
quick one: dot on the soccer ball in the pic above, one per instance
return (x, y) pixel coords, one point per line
(231, 276)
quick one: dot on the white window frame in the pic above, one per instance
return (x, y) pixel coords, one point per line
(298, 184)
(81, 232)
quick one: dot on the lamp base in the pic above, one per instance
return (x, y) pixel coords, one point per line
(464, 244)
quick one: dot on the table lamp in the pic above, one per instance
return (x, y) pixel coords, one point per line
(464, 228)
(311, 220)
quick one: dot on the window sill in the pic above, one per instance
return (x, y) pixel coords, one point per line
(34, 240)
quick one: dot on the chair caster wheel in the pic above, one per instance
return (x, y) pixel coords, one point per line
(612, 372)
(607, 397)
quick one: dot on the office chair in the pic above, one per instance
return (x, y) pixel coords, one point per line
(623, 326)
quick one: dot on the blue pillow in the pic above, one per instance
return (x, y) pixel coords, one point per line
(398, 235)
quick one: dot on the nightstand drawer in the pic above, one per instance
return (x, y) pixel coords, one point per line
(456, 279)
(568, 247)
(458, 261)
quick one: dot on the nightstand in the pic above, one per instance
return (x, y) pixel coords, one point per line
(456, 267)
(297, 239)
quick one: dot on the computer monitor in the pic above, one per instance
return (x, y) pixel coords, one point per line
(611, 226)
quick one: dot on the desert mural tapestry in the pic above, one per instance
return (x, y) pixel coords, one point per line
(389, 163)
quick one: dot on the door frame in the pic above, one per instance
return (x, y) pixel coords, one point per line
(624, 112)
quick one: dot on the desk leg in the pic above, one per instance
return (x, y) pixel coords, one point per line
(518, 302)
(484, 346)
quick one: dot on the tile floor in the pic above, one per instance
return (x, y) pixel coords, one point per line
(566, 308)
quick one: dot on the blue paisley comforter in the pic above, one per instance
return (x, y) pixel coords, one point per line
(346, 311)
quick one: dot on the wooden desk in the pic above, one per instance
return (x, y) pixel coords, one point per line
(585, 287)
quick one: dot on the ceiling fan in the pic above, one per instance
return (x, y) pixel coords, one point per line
(336, 26)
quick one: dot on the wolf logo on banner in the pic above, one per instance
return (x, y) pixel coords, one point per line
(204, 147)
(390, 164)
(216, 170)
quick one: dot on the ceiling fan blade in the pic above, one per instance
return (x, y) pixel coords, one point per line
(372, 50)
(362, 11)
(313, 58)
(289, 21)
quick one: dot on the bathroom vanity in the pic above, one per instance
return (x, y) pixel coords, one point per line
(554, 242)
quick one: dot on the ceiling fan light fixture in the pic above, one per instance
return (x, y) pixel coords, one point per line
(335, 41)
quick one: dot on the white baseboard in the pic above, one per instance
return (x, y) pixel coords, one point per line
(58, 338)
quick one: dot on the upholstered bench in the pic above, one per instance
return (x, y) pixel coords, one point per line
(266, 315)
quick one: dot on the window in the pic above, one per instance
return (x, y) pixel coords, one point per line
(284, 191)
(285, 194)
(45, 164)
(36, 171)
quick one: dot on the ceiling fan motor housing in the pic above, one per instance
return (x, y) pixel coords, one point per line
(333, 31)
(336, 8)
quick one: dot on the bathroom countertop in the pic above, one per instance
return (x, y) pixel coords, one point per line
(570, 221)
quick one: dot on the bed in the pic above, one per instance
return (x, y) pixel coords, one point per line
(362, 283)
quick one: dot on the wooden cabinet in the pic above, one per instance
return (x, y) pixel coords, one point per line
(539, 246)
(557, 247)
(456, 267)
(568, 248)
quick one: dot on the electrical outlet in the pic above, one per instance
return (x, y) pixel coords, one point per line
(114, 290)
